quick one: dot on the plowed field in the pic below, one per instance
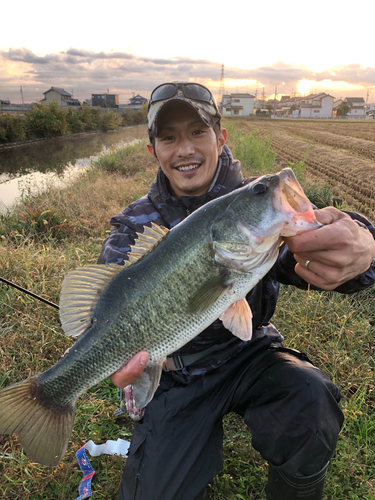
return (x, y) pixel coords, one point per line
(339, 154)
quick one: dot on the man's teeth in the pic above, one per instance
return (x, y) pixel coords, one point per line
(188, 167)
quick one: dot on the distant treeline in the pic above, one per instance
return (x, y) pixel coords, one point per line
(52, 121)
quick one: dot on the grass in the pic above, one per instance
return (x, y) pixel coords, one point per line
(335, 331)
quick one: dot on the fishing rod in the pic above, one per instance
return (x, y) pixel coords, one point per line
(29, 293)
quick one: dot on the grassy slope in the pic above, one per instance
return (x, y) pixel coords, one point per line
(336, 331)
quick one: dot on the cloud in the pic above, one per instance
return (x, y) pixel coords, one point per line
(88, 72)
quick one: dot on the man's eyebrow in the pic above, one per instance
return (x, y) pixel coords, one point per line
(198, 124)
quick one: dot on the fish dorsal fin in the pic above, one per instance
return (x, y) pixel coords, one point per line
(80, 291)
(209, 293)
(238, 319)
(147, 241)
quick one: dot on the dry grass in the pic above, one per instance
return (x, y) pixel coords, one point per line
(349, 176)
(337, 332)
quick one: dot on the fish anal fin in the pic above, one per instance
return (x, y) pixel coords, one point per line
(43, 431)
(80, 291)
(140, 393)
(238, 319)
(209, 293)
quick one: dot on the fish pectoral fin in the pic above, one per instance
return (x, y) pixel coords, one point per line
(145, 386)
(238, 319)
(80, 291)
(209, 293)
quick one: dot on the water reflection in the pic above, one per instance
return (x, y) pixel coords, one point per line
(49, 162)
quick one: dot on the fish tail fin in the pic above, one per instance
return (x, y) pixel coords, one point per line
(43, 430)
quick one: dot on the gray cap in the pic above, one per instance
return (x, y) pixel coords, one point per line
(208, 113)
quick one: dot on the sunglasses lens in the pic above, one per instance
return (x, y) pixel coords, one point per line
(163, 92)
(197, 92)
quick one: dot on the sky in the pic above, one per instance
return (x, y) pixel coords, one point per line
(290, 47)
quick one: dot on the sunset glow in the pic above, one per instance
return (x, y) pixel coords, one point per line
(93, 58)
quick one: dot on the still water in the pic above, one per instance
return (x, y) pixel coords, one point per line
(37, 166)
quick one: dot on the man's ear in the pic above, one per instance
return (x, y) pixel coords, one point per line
(221, 139)
(150, 147)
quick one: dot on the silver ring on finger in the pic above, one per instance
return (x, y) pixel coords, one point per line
(307, 264)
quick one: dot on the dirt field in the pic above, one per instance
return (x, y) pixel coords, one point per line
(339, 154)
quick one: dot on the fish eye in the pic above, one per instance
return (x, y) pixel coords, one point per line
(259, 188)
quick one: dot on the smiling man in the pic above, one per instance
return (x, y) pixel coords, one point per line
(290, 406)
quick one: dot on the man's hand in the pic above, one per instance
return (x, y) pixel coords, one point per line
(338, 251)
(130, 372)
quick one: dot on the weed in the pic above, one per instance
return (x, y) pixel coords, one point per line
(254, 152)
(320, 196)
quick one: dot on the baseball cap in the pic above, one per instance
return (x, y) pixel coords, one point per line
(194, 94)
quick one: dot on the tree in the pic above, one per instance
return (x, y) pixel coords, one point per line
(343, 109)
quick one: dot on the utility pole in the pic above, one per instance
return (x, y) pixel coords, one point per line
(222, 83)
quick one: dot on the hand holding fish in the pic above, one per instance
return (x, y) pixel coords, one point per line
(131, 371)
(338, 251)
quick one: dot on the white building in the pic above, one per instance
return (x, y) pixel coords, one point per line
(63, 97)
(316, 106)
(237, 105)
(357, 107)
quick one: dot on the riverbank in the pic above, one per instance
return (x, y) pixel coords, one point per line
(30, 142)
(53, 121)
(45, 236)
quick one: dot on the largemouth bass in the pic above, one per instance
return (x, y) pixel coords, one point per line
(176, 284)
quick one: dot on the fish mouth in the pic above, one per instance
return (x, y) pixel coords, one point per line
(289, 198)
(290, 193)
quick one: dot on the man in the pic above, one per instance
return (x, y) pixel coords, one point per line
(290, 407)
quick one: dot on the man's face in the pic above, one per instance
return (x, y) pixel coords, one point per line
(187, 150)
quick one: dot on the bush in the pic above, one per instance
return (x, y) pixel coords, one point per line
(74, 122)
(91, 118)
(46, 121)
(34, 220)
(12, 128)
(111, 121)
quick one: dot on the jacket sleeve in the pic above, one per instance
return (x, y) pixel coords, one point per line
(285, 266)
(126, 225)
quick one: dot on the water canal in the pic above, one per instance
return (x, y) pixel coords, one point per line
(36, 166)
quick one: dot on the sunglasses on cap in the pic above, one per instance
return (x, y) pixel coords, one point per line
(193, 91)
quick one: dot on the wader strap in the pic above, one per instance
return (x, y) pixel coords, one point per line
(178, 362)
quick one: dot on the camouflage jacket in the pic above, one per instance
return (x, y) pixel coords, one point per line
(160, 207)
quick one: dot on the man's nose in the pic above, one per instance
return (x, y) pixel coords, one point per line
(185, 147)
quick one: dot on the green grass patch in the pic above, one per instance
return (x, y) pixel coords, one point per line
(255, 153)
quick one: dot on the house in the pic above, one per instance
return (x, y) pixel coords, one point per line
(357, 107)
(63, 97)
(316, 106)
(237, 104)
(135, 103)
(105, 100)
